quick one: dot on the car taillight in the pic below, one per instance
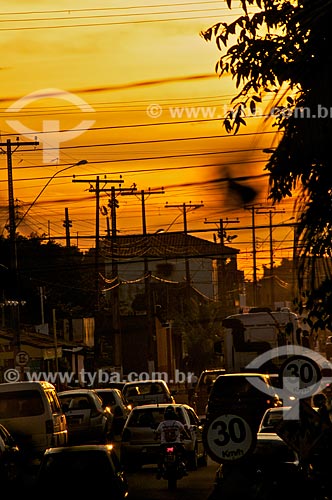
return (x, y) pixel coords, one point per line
(126, 435)
(49, 426)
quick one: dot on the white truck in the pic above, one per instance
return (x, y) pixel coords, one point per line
(245, 336)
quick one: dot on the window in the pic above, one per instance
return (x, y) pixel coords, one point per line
(107, 398)
(140, 418)
(54, 401)
(192, 418)
(21, 404)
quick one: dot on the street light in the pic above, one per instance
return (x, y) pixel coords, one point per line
(81, 162)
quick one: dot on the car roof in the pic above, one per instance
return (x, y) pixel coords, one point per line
(245, 374)
(160, 405)
(108, 389)
(152, 381)
(76, 392)
(25, 384)
(80, 447)
(269, 436)
(278, 409)
(213, 370)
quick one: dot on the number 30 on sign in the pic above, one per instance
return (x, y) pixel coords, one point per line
(229, 438)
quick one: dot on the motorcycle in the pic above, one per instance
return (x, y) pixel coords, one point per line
(173, 467)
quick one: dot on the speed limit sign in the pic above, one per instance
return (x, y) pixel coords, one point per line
(300, 376)
(228, 438)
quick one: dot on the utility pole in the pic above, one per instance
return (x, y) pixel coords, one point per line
(147, 276)
(253, 209)
(67, 223)
(186, 207)
(97, 189)
(113, 204)
(8, 151)
(270, 213)
(222, 276)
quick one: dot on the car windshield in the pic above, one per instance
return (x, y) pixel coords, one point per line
(150, 417)
(108, 398)
(209, 377)
(75, 402)
(143, 389)
(228, 386)
(273, 418)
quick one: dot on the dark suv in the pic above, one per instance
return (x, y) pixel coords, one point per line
(245, 394)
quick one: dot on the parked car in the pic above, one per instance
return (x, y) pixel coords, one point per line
(237, 393)
(32, 413)
(114, 399)
(203, 388)
(87, 420)
(116, 385)
(272, 471)
(139, 446)
(81, 469)
(11, 458)
(272, 417)
(144, 392)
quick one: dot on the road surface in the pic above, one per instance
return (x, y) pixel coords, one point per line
(143, 485)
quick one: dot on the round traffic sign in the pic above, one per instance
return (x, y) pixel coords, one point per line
(22, 358)
(228, 438)
(300, 376)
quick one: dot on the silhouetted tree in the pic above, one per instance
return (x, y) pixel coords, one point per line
(63, 273)
(284, 48)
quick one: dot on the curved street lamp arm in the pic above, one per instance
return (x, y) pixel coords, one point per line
(81, 162)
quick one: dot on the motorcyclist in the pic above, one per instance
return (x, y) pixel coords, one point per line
(171, 431)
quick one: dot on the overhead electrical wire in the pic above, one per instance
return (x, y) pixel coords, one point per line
(89, 9)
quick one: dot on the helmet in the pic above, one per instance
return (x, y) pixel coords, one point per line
(170, 413)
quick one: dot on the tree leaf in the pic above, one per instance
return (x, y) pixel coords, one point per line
(253, 107)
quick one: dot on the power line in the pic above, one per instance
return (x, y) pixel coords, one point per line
(112, 8)
(103, 16)
(118, 23)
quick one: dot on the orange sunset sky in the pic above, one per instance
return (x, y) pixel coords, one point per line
(128, 86)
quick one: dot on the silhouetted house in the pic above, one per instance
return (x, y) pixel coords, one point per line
(149, 275)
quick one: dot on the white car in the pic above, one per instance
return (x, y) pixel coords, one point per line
(139, 446)
(143, 392)
(114, 399)
(272, 417)
(87, 420)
